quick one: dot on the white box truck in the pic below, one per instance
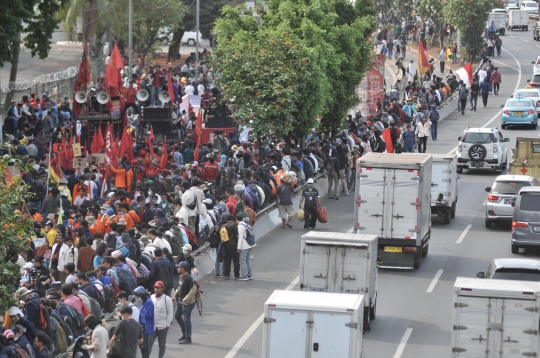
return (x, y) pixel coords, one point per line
(341, 263)
(518, 19)
(444, 190)
(393, 203)
(495, 318)
(499, 17)
(299, 324)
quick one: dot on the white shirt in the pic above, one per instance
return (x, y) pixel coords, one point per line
(481, 75)
(161, 243)
(242, 233)
(163, 311)
(67, 255)
(423, 130)
(182, 215)
(189, 90)
(200, 88)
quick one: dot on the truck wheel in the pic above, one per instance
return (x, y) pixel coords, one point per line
(489, 224)
(373, 311)
(425, 251)
(515, 249)
(446, 217)
(526, 28)
(418, 258)
(453, 211)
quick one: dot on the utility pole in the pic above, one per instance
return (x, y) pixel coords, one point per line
(197, 46)
(130, 41)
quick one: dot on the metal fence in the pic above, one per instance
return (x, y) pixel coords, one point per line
(56, 84)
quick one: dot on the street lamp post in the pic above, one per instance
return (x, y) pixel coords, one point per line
(197, 45)
(130, 41)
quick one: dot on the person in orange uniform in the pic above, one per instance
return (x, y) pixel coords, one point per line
(130, 216)
(119, 176)
(93, 225)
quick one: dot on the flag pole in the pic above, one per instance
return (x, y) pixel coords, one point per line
(49, 171)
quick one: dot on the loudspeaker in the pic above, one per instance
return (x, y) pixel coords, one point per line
(219, 122)
(155, 114)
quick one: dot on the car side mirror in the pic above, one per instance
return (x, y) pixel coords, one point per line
(459, 138)
(487, 189)
(507, 140)
(511, 96)
(481, 275)
(502, 105)
(528, 81)
(532, 62)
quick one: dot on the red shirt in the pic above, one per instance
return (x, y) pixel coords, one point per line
(129, 95)
(153, 171)
(210, 171)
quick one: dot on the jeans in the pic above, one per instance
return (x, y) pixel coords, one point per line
(146, 347)
(231, 255)
(406, 149)
(218, 267)
(490, 51)
(485, 98)
(422, 144)
(343, 181)
(496, 87)
(454, 57)
(498, 50)
(310, 218)
(155, 96)
(183, 317)
(245, 263)
(333, 180)
(475, 99)
(463, 103)
(434, 130)
(161, 335)
(442, 66)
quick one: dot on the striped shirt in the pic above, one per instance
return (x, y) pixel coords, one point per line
(163, 311)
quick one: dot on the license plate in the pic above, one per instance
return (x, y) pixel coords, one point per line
(478, 165)
(395, 248)
(535, 229)
(518, 113)
(507, 201)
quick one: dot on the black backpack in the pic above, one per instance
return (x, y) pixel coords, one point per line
(37, 189)
(164, 275)
(380, 145)
(213, 237)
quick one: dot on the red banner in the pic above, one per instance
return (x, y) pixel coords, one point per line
(373, 87)
(110, 152)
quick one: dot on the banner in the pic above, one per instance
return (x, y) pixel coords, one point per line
(373, 87)
(423, 60)
(465, 73)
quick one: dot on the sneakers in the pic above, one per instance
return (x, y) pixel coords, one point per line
(236, 278)
(250, 278)
(186, 341)
(227, 277)
(220, 275)
(243, 279)
(182, 338)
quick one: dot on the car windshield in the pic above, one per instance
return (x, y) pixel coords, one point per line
(479, 138)
(529, 202)
(531, 5)
(516, 275)
(511, 103)
(508, 187)
(528, 94)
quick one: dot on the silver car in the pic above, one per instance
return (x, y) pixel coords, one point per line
(512, 269)
(526, 219)
(501, 193)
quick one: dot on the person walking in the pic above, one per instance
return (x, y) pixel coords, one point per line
(243, 248)
(284, 200)
(230, 249)
(498, 45)
(485, 89)
(185, 294)
(332, 169)
(408, 140)
(434, 117)
(312, 202)
(146, 319)
(343, 161)
(411, 70)
(475, 89)
(163, 317)
(100, 337)
(127, 335)
(463, 94)
(442, 60)
(422, 132)
(496, 80)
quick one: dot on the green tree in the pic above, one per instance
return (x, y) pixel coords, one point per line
(14, 226)
(431, 9)
(209, 11)
(469, 17)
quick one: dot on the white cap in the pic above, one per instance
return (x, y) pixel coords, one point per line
(187, 247)
(310, 181)
(13, 311)
(207, 201)
(29, 265)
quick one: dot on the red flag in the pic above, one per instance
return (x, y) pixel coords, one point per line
(113, 80)
(126, 145)
(164, 156)
(465, 73)
(198, 131)
(82, 81)
(110, 146)
(170, 88)
(96, 146)
(69, 153)
(105, 178)
(101, 141)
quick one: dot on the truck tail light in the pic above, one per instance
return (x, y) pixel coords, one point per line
(410, 249)
(459, 148)
(506, 111)
(519, 224)
(531, 111)
(492, 197)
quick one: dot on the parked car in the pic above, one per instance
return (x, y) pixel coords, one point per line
(190, 38)
(514, 269)
(501, 194)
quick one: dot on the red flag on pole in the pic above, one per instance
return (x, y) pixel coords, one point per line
(198, 131)
(70, 155)
(110, 152)
(113, 80)
(126, 145)
(96, 146)
(83, 78)
(170, 88)
(164, 156)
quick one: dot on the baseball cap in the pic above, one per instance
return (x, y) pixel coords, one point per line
(29, 265)
(187, 247)
(13, 311)
(310, 181)
(183, 265)
(18, 329)
(159, 284)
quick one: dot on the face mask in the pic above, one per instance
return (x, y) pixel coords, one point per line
(184, 251)
(83, 346)
(120, 304)
(80, 286)
(152, 209)
(310, 186)
(149, 192)
(139, 299)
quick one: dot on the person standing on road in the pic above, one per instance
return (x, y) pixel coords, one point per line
(313, 201)
(342, 159)
(284, 200)
(163, 317)
(408, 140)
(463, 94)
(100, 337)
(496, 80)
(243, 248)
(422, 132)
(332, 169)
(146, 319)
(186, 301)
(475, 89)
(485, 89)
(434, 117)
(131, 334)
(442, 60)
(230, 249)
(411, 70)
(498, 45)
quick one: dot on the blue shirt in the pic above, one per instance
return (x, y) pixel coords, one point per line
(178, 158)
(408, 139)
(146, 316)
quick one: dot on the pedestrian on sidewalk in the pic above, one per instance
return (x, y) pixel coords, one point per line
(411, 70)
(442, 60)
(403, 46)
(485, 89)
(408, 140)
(244, 249)
(498, 44)
(434, 117)
(463, 94)
(131, 334)
(332, 169)
(397, 48)
(284, 199)
(422, 131)
(454, 53)
(475, 89)
(496, 80)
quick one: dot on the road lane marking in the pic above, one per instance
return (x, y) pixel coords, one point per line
(464, 233)
(499, 113)
(537, 46)
(524, 40)
(434, 282)
(484, 203)
(403, 343)
(255, 325)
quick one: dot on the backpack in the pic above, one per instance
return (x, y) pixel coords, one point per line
(223, 234)
(94, 308)
(193, 204)
(237, 164)
(144, 273)
(66, 324)
(250, 237)
(43, 319)
(330, 168)
(380, 145)
(164, 275)
(70, 314)
(21, 352)
(176, 245)
(60, 337)
(463, 93)
(37, 189)
(110, 302)
(214, 237)
(436, 114)
(255, 196)
(123, 277)
(128, 250)
(308, 167)
(115, 287)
